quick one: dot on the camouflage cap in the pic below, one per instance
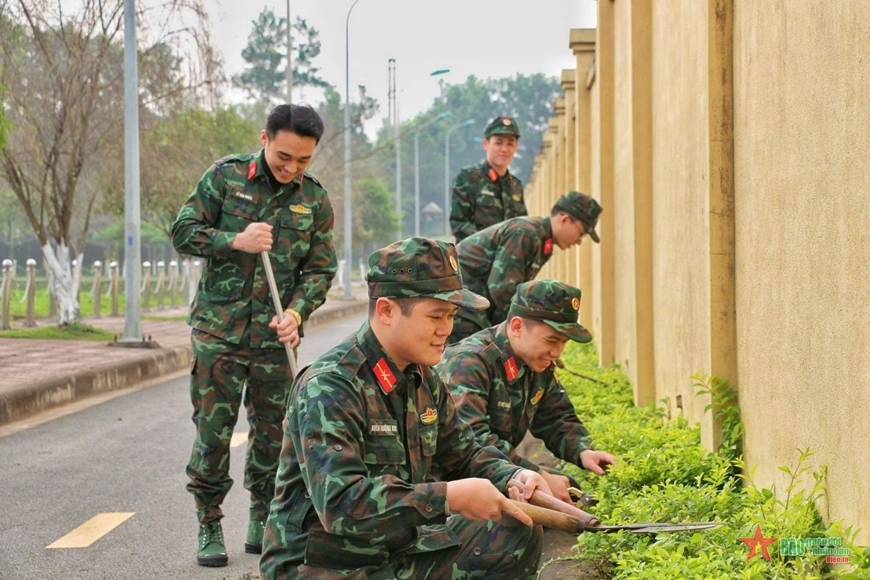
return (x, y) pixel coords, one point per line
(420, 267)
(583, 208)
(552, 302)
(502, 126)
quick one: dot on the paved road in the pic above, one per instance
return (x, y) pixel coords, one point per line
(126, 455)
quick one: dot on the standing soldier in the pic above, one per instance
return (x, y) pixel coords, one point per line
(243, 205)
(486, 194)
(369, 424)
(504, 383)
(494, 261)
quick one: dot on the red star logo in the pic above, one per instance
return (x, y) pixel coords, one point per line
(758, 540)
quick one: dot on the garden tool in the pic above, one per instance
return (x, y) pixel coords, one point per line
(276, 301)
(550, 512)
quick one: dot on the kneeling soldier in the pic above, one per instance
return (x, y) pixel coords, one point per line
(504, 384)
(369, 424)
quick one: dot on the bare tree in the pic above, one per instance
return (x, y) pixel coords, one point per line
(63, 74)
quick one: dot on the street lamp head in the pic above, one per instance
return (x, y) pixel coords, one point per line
(468, 122)
(440, 71)
(443, 115)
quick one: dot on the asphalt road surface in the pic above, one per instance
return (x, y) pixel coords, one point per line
(119, 465)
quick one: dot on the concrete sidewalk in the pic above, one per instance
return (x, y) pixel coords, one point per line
(38, 375)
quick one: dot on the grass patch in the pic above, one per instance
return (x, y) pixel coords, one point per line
(76, 331)
(664, 474)
(158, 318)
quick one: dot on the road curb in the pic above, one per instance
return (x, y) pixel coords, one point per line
(34, 398)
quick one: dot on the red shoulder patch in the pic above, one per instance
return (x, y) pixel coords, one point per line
(252, 169)
(548, 246)
(385, 376)
(510, 368)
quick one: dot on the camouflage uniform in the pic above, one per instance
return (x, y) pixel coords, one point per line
(494, 261)
(480, 197)
(356, 494)
(232, 343)
(502, 398)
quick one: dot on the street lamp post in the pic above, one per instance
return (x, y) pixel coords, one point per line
(289, 71)
(447, 173)
(417, 169)
(348, 295)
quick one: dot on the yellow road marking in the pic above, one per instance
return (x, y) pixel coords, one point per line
(238, 439)
(92, 530)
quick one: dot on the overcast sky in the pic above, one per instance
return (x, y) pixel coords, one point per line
(486, 38)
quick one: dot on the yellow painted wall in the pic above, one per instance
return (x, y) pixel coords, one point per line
(802, 80)
(680, 185)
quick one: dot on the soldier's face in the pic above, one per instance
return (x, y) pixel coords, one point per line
(571, 232)
(538, 345)
(287, 154)
(500, 150)
(419, 338)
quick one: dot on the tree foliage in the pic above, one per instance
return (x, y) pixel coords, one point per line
(264, 79)
(64, 77)
(528, 98)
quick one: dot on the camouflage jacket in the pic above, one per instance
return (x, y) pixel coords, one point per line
(494, 261)
(355, 480)
(501, 398)
(233, 296)
(480, 198)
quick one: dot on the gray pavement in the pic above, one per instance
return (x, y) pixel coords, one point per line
(40, 375)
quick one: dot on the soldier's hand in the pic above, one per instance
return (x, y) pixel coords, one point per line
(288, 330)
(478, 499)
(531, 481)
(559, 485)
(596, 461)
(257, 237)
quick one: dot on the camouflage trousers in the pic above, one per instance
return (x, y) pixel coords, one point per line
(503, 550)
(221, 374)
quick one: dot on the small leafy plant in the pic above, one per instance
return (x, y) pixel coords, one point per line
(664, 474)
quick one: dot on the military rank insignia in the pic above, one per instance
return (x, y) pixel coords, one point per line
(301, 209)
(385, 376)
(429, 416)
(510, 369)
(548, 246)
(252, 169)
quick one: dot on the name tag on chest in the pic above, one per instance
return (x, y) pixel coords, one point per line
(384, 427)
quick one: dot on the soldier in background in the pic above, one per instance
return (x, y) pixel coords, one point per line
(504, 382)
(486, 194)
(243, 205)
(369, 424)
(494, 261)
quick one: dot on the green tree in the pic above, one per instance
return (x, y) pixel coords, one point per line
(529, 98)
(63, 69)
(375, 218)
(266, 54)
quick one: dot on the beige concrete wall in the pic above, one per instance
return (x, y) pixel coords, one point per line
(802, 183)
(680, 182)
(632, 196)
(582, 43)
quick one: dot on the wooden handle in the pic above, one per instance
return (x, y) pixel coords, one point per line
(551, 518)
(543, 500)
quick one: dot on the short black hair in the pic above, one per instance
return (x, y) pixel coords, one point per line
(406, 304)
(300, 119)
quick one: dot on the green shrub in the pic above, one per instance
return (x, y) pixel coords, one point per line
(663, 474)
